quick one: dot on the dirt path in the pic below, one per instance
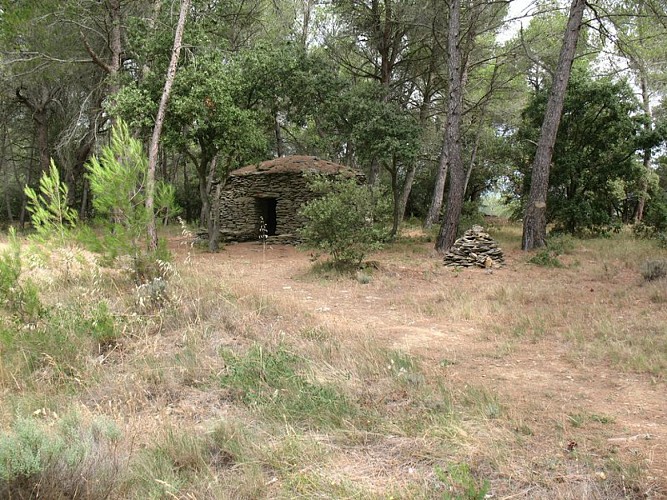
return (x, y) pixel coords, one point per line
(559, 400)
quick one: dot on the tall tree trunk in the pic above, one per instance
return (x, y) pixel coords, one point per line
(438, 190)
(305, 28)
(5, 185)
(535, 219)
(28, 181)
(473, 155)
(396, 198)
(648, 152)
(204, 193)
(214, 221)
(186, 190)
(278, 134)
(405, 192)
(159, 120)
(38, 103)
(83, 209)
(447, 234)
(42, 124)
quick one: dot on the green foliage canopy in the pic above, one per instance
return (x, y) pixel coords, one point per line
(595, 171)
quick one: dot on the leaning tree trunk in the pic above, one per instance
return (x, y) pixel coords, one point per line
(159, 120)
(457, 173)
(405, 192)
(535, 219)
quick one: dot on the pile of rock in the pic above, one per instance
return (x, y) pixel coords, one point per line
(475, 248)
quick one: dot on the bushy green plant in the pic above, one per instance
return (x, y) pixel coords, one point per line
(556, 246)
(343, 221)
(18, 297)
(50, 214)
(545, 257)
(66, 460)
(117, 180)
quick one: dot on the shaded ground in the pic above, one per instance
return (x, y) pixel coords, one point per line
(565, 401)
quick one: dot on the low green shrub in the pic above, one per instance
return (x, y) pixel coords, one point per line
(273, 382)
(545, 257)
(59, 346)
(19, 297)
(556, 246)
(343, 221)
(64, 458)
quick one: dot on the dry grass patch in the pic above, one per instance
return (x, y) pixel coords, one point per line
(253, 380)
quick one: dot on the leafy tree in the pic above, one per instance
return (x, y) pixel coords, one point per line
(595, 172)
(51, 216)
(117, 181)
(159, 121)
(535, 221)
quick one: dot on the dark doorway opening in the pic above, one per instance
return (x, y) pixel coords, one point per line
(267, 210)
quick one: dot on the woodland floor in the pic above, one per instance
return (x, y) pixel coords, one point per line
(259, 377)
(569, 400)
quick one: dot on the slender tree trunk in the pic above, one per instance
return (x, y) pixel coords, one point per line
(374, 174)
(305, 28)
(186, 189)
(214, 221)
(5, 185)
(42, 124)
(28, 181)
(204, 195)
(159, 120)
(535, 219)
(423, 117)
(396, 197)
(473, 156)
(405, 192)
(438, 190)
(279, 135)
(83, 209)
(648, 153)
(449, 227)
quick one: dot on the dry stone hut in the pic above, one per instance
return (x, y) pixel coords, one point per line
(274, 191)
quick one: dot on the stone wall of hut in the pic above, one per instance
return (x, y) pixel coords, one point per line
(241, 204)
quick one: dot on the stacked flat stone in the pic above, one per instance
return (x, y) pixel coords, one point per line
(475, 249)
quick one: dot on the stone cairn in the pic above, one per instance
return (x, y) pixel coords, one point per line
(475, 248)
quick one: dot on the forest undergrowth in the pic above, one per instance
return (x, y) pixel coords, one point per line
(221, 381)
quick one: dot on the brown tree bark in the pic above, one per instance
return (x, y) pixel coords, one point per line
(159, 121)
(447, 234)
(648, 152)
(535, 219)
(38, 103)
(438, 190)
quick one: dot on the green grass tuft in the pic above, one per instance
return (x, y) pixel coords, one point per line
(274, 382)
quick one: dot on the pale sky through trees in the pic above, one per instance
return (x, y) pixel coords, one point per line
(518, 8)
